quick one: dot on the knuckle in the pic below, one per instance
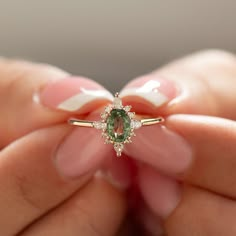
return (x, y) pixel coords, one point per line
(22, 78)
(215, 57)
(51, 69)
(13, 71)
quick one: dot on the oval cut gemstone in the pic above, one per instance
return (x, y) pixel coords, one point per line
(118, 125)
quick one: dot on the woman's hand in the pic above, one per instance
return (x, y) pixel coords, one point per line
(47, 181)
(187, 169)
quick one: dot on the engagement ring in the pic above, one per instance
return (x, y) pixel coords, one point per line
(117, 124)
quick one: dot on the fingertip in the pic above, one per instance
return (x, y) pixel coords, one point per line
(149, 94)
(75, 94)
(161, 193)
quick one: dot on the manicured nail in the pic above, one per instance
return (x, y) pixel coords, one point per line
(74, 94)
(120, 171)
(82, 151)
(162, 148)
(156, 91)
(161, 193)
(106, 175)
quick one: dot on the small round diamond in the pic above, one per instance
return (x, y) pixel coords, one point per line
(127, 108)
(99, 125)
(104, 115)
(131, 114)
(136, 124)
(108, 109)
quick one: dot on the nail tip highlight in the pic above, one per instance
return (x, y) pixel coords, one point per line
(71, 94)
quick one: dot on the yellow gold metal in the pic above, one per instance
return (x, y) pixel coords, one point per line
(152, 121)
(90, 124)
(83, 123)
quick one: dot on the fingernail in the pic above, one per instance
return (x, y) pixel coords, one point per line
(73, 94)
(154, 90)
(82, 151)
(161, 147)
(161, 193)
(106, 175)
(120, 171)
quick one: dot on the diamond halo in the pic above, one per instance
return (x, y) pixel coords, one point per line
(117, 124)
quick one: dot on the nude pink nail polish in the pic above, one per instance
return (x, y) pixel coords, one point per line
(82, 151)
(148, 93)
(120, 170)
(73, 94)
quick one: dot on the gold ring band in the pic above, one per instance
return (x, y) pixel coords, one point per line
(92, 124)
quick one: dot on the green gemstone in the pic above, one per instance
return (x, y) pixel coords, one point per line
(118, 125)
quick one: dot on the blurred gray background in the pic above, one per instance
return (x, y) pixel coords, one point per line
(114, 41)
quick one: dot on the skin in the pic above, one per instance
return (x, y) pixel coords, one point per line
(206, 204)
(35, 198)
(94, 205)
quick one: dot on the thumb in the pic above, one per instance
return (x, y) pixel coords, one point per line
(202, 83)
(197, 149)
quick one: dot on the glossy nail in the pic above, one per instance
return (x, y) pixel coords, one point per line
(154, 90)
(121, 171)
(82, 151)
(74, 94)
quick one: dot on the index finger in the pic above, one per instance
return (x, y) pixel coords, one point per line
(200, 148)
(202, 83)
(33, 96)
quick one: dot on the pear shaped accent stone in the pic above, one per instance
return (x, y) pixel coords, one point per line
(118, 125)
(136, 124)
(118, 148)
(117, 103)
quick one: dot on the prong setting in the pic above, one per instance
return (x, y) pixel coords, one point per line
(125, 116)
